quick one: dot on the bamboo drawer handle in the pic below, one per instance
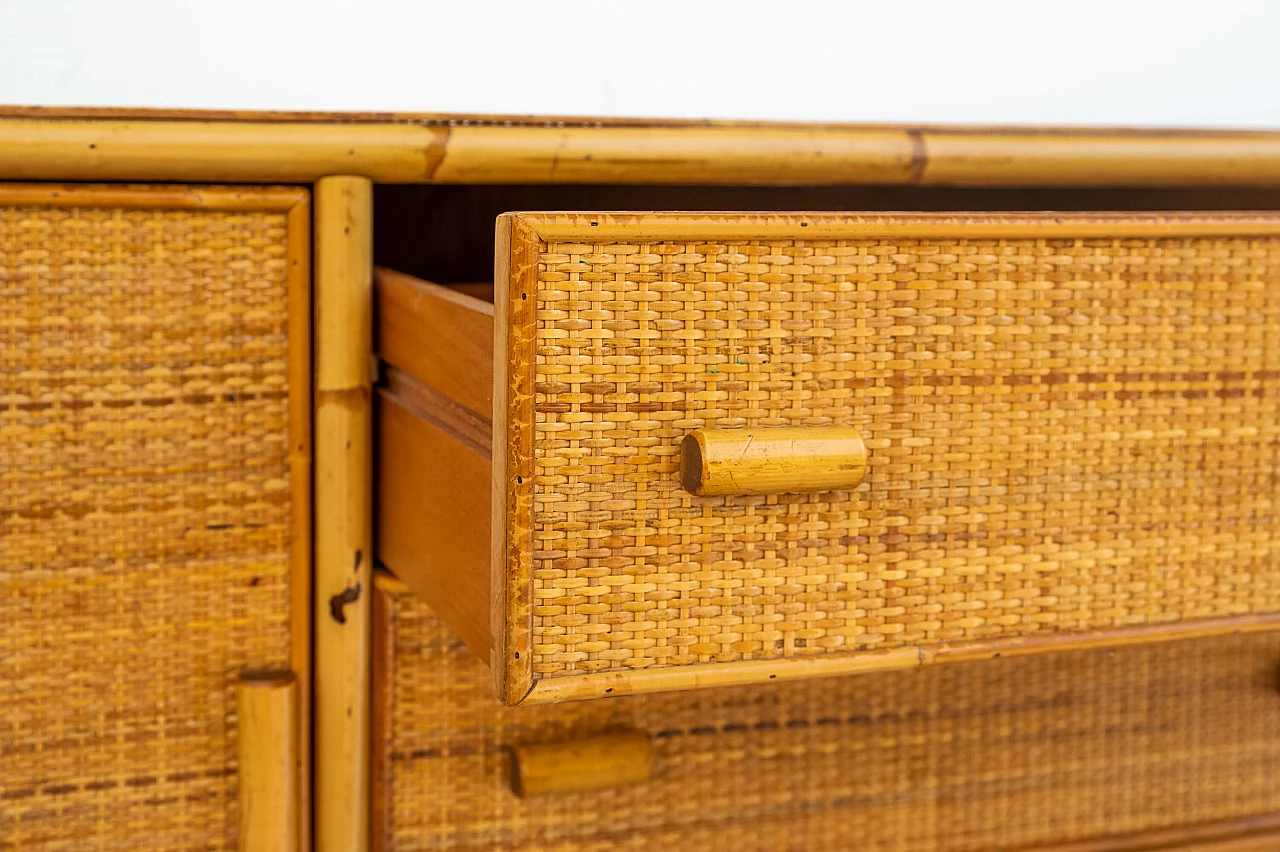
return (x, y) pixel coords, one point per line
(772, 460)
(610, 760)
(266, 704)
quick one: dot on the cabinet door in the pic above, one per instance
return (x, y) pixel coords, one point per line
(154, 479)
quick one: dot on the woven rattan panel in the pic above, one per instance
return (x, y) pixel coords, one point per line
(144, 557)
(973, 756)
(1065, 435)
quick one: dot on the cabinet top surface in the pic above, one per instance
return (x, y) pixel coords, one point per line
(126, 113)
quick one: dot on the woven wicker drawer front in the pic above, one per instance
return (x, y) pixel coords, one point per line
(1071, 427)
(145, 558)
(1037, 751)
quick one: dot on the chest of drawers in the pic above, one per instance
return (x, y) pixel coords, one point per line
(708, 494)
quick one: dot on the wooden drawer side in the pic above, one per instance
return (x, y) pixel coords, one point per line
(433, 447)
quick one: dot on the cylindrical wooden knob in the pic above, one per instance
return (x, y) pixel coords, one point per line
(772, 460)
(268, 752)
(610, 760)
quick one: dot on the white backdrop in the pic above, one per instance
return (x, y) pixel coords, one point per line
(1101, 62)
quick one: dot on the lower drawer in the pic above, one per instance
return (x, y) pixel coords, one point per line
(1143, 747)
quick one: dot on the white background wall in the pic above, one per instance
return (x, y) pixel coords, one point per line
(1108, 62)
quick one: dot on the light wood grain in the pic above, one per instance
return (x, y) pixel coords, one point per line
(439, 336)
(591, 763)
(480, 290)
(266, 711)
(771, 461)
(343, 508)
(433, 517)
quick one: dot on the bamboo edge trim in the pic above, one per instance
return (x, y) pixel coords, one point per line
(197, 147)
(298, 255)
(1240, 834)
(264, 199)
(632, 227)
(742, 673)
(511, 582)
(382, 723)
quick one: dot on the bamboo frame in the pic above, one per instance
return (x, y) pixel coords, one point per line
(343, 500)
(257, 147)
(1243, 834)
(213, 151)
(707, 675)
(266, 707)
(571, 226)
(300, 471)
(519, 236)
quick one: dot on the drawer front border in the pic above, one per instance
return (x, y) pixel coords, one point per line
(519, 236)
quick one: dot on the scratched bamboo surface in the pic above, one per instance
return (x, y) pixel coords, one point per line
(1070, 423)
(150, 539)
(1164, 742)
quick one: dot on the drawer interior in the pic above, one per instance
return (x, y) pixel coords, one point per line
(444, 233)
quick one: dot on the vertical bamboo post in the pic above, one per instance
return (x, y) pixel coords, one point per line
(266, 708)
(343, 510)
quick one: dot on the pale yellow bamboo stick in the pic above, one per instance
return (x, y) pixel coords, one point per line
(266, 707)
(343, 522)
(591, 763)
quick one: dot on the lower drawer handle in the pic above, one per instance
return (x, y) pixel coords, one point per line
(592, 763)
(772, 460)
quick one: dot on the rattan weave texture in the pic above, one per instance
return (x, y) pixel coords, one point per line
(1065, 434)
(144, 481)
(1024, 752)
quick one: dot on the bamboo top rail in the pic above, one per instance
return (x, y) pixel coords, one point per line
(101, 144)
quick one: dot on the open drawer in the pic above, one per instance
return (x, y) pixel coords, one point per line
(905, 439)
